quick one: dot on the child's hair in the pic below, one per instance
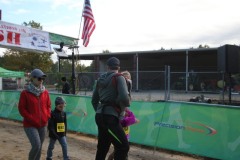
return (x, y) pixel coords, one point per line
(126, 74)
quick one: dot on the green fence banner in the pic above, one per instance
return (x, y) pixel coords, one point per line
(195, 128)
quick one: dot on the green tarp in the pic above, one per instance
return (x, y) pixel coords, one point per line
(8, 73)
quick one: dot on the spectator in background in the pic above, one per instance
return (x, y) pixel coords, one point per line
(66, 86)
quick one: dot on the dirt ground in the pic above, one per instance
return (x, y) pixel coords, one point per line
(14, 145)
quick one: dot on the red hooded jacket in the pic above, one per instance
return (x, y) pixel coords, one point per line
(35, 110)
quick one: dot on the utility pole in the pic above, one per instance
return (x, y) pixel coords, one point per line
(73, 69)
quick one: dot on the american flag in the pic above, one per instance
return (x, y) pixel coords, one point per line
(89, 23)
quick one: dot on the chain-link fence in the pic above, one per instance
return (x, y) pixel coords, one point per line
(208, 87)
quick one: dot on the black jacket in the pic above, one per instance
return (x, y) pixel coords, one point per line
(66, 88)
(57, 124)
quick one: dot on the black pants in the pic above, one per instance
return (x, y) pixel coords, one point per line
(110, 131)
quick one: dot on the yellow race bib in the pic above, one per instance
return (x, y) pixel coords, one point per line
(60, 127)
(126, 130)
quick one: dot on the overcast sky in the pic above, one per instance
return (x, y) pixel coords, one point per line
(134, 25)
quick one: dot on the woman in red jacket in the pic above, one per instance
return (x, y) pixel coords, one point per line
(35, 106)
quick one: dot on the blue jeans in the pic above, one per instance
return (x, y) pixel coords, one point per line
(36, 137)
(63, 142)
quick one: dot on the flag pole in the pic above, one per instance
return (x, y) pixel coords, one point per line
(81, 20)
(73, 66)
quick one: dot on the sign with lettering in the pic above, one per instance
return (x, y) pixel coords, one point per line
(17, 36)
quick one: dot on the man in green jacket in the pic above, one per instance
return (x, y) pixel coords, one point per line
(109, 100)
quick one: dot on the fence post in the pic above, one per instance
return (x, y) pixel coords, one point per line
(167, 83)
(169, 78)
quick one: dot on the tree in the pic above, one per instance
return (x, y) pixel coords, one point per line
(1, 61)
(66, 66)
(203, 46)
(83, 68)
(33, 24)
(106, 51)
(26, 61)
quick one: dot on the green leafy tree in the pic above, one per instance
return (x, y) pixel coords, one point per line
(82, 68)
(66, 66)
(203, 46)
(54, 67)
(25, 60)
(106, 51)
(33, 24)
(1, 61)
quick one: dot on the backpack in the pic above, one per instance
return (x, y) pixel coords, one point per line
(114, 83)
(114, 80)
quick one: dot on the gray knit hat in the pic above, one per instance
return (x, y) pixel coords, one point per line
(59, 100)
(113, 62)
